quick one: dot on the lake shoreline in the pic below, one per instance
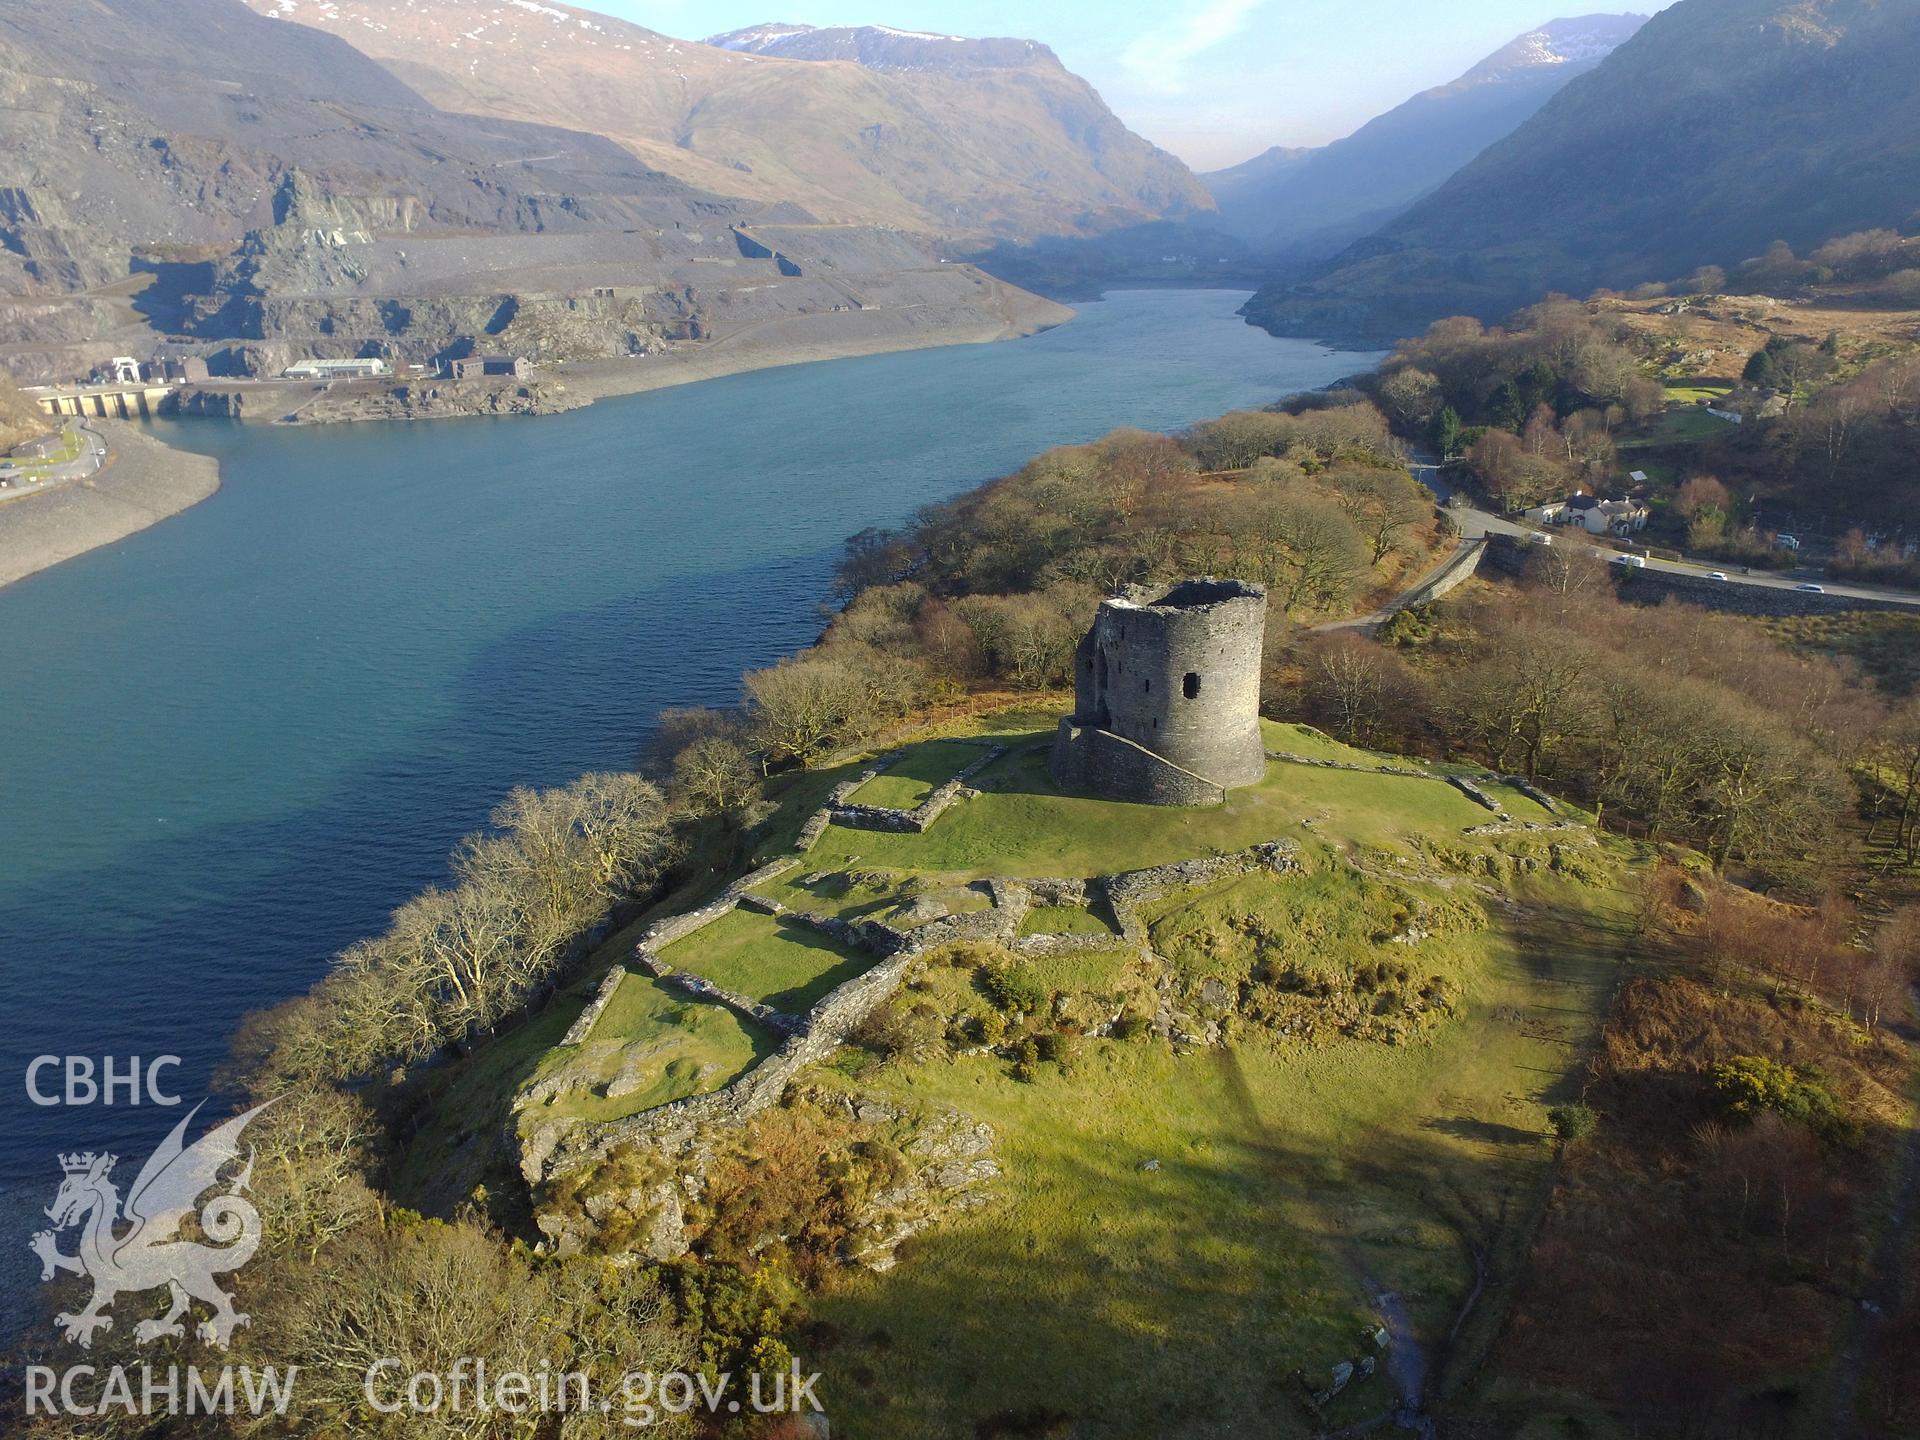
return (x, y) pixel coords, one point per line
(148, 479)
(804, 339)
(145, 480)
(265, 728)
(1022, 316)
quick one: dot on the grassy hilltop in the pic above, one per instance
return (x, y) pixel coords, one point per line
(1055, 1116)
(1364, 1143)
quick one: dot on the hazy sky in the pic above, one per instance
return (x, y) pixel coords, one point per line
(1214, 81)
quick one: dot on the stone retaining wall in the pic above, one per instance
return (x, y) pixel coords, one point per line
(678, 927)
(915, 821)
(1056, 892)
(1474, 793)
(877, 817)
(869, 935)
(1527, 827)
(1047, 947)
(827, 1025)
(1650, 587)
(1527, 788)
(758, 1011)
(555, 1150)
(816, 823)
(583, 1024)
(1138, 887)
(1322, 764)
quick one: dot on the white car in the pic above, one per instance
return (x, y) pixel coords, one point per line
(1633, 562)
(1716, 575)
(1812, 589)
(1539, 537)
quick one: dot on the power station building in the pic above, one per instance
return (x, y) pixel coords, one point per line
(1167, 696)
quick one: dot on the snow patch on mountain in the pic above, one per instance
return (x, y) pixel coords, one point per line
(758, 37)
(1579, 40)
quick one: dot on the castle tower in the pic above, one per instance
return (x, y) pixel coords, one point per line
(1167, 696)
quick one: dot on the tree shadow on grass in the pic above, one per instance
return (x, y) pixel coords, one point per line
(1486, 1132)
(1145, 1302)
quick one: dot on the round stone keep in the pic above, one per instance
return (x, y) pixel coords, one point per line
(1169, 676)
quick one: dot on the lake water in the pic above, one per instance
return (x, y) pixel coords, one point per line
(231, 744)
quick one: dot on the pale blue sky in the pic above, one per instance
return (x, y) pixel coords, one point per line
(1214, 81)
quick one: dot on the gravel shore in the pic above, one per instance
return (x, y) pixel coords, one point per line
(143, 482)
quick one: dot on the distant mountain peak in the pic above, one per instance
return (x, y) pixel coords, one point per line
(1815, 126)
(1309, 204)
(1570, 40)
(774, 32)
(882, 47)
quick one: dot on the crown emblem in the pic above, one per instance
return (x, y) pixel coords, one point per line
(80, 1164)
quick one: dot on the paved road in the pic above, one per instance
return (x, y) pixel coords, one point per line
(93, 454)
(1436, 582)
(1475, 524)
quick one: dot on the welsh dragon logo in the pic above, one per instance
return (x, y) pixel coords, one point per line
(141, 1248)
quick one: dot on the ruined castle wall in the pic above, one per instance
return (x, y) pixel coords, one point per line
(1105, 763)
(1176, 674)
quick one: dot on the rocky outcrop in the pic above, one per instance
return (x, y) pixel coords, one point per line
(952, 1166)
(336, 212)
(1125, 892)
(439, 400)
(1474, 793)
(654, 1194)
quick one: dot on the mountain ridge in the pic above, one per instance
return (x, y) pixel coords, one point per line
(998, 139)
(883, 47)
(1306, 205)
(276, 194)
(1721, 126)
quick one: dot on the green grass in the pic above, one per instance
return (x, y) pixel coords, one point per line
(696, 1047)
(1294, 1179)
(1026, 826)
(71, 448)
(1318, 745)
(458, 1147)
(795, 796)
(766, 958)
(1692, 392)
(1292, 1184)
(956, 899)
(1678, 427)
(1331, 920)
(675, 1046)
(1107, 972)
(913, 777)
